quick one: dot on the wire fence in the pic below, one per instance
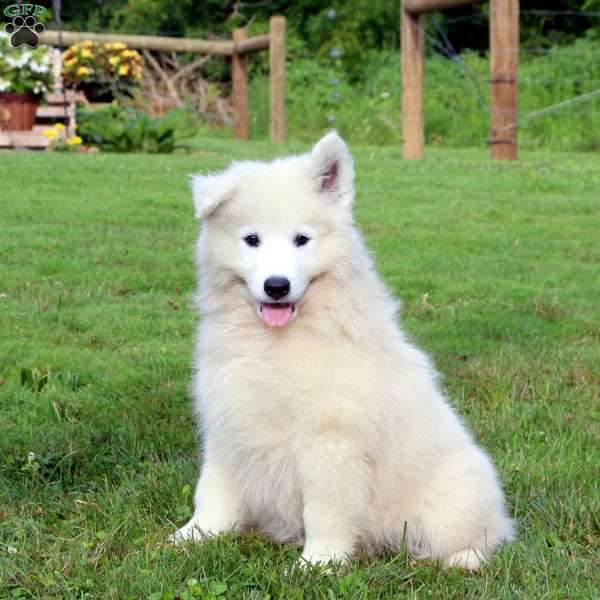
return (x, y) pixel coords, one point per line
(570, 106)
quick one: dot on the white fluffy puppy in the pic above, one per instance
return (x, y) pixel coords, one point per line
(321, 423)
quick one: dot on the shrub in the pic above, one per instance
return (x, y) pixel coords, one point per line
(117, 129)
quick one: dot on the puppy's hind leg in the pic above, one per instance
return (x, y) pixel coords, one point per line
(463, 512)
(217, 501)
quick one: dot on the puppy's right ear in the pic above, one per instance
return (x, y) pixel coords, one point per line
(210, 191)
(333, 169)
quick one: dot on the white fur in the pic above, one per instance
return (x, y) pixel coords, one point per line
(331, 432)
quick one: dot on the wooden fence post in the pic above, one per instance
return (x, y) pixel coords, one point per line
(277, 78)
(239, 87)
(504, 50)
(413, 58)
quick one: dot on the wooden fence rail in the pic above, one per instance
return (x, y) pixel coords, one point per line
(142, 42)
(237, 49)
(420, 7)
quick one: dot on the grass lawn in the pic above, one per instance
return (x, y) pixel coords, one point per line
(499, 269)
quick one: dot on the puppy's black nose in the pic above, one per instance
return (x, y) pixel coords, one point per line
(277, 287)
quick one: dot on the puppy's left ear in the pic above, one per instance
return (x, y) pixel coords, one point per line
(333, 169)
(210, 191)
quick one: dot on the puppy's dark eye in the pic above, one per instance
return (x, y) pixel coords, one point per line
(252, 240)
(301, 240)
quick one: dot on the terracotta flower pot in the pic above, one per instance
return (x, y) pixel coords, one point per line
(17, 111)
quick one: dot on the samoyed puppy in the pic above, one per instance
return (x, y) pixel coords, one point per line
(321, 423)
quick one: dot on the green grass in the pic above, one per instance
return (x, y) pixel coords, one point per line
(498, 266)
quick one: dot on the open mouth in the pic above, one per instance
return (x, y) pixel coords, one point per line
(277, 314)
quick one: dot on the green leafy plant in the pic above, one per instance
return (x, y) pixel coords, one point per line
(118, 129)
(206, 590)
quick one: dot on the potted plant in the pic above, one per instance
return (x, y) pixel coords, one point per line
(101, 71)
(25, 75)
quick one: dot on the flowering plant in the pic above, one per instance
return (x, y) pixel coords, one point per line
(57, 135)
(112, 66)
(23, 70)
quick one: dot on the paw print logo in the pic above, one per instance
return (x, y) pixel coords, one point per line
(24, 31)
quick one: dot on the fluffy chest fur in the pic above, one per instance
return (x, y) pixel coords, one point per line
(267, 388)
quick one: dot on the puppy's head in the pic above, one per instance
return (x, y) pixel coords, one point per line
(276, 226)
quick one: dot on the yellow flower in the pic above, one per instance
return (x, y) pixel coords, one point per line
(129, 53)
(83, 71)
(118, 46)
(50, 133)
(71, 62)
(113, 60)
(86, 54)
(123, 70)
(59, 126)
(74, 141)
(87, 44)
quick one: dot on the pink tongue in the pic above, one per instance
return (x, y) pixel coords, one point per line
(276, 315)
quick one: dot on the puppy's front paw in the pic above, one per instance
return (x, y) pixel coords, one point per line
(189, 532)
(315, 553)
(469, 560)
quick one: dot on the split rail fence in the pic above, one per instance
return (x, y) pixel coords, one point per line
(238, 49)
